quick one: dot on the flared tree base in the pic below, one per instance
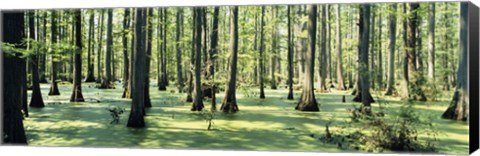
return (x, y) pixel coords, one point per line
(457, 109)
(229, 107)
(77, 96)
(308, 105)
(358, 98)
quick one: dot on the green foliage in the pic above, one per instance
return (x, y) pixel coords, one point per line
(374, 132)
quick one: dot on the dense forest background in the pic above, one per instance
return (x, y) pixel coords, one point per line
(363, 53)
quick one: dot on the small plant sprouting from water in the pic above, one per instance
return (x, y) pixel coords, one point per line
(208, 116)
(115, 113)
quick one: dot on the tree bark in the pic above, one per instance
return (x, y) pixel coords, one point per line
(77, 95)
(262, 46)
(431, 41)
(229, 103)
(126, 61)
(340, 81)
(290, 55)
(192, 60)
(179, 50)
(54, 86)
(99, 48)
(363, 65)
(414, 77)
(91, 34)
(273, 58)
(149, 17)
(322, 58)
(36, 98)
(307, 99)
(212, 55)
(459, 106)
(391, 51)
(136, 118)
(107, 82)
(197, 104)
(12, 128)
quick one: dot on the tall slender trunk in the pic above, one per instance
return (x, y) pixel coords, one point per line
(54, 86)
(77, 95)
(99, 48)
(414, 76)
(262, 46)
(107, 82)
(290, 55)
(197, 104)
(126, 62)
(192, 60)
(273, 58)
(340, 81)
(391, 51)
(212, 52)
(91, 35)
(136, 118)
(307, 100)
(431, 41)
(229, 103)
(179, 50)
(459, 106)
(36, 98)
(322, 58)
(363, 68)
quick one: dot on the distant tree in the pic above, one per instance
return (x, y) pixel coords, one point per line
(91, 35)
(340, 81)
(107, 82)
(364, 25)
(77, 95)
(126, 61)
(54, 71)
(148, 57)
(99, 47)
(13, 31)
(212, 54)
(307, 100)
(178, 49)
(322, 58)
(392, 31)
(459, 106)
(431, 41)
(290, 55)
(262, 46)
(229, 103)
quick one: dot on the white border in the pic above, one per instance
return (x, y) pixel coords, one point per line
(74, 151)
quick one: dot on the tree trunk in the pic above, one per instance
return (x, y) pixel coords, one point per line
(197, 104)
(90, 75)
(273, 58)
(414, 77)
(149, 17)
(229, 103)
(136, 118)
(363, 64)
(179, 50)
(322, 58)
(262, 46)
(307, 99)
(162, 84)
(431, 41)
(329, 49)
(192, 60)
(36, 98)
(54, 86)
(212, 55)
(43, 55)
(391, 51)
(107, 82)
(77, 95)
(12, 128)
(459, 107)
(380, 56)
(126, 62)
(340, 81)
(290, 55)
(99, 50)
(363, 76)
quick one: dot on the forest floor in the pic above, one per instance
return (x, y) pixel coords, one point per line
(270, 124)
